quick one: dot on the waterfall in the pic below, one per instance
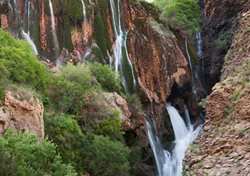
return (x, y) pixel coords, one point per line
(169, 163)
(28, 18)
(129, 62)
(26, 35)
(120, 46)
(21, 27)
(84, 12)
(201, 55)
(32, 44)
(199, 44)
(157, 149)
(191, 67)
(53, 26)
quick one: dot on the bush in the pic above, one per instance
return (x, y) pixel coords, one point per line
(70, 86)
(183, 15)
(106, 77)
(19, 64)
(4, 75)
(221, 43)
(107, 157)
(66, 134)
(110, 126)
(24, 154)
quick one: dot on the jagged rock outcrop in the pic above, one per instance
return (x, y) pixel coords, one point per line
(22, 112)
(99, 107)
(221, 21)
(223, 147)
(116, 101)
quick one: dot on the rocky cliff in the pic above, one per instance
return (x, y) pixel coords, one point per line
(223, 147)
(157, 57)
(221, 20)
(23, 112)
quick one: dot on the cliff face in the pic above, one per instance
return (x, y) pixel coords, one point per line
(223, 147)
(220, 24)
(22, 112)
(157, 59)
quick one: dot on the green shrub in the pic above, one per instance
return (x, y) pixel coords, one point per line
(107, 157)
(106, 77)
(20, 65)
(24, 154)
(183, 15)
(68, 89)
(66, 134)
(110, 126)
(221, 43)
(4, 76)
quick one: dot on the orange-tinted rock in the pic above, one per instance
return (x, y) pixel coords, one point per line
(22, 114)
(157, 58)
(4, 21)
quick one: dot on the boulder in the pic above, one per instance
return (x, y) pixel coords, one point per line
(23, 113)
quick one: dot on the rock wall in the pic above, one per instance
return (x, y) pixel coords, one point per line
(220, 23)
(158, 60)
(223, 147)
(23, 113)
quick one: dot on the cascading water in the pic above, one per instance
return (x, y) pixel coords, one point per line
(199, 51)
(22, 26)
(199, 44)
(32, 44)
(191, 67)
(120, 45)
(169, 163)
(26, 35)
(54, 33)
(84, 11)
(129, 62)
(28, 17)
(157, 149)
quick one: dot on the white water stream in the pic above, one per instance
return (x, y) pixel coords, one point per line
(169, 163)
(54, 33)
(32, 44)
(120, 44)
(84, 11)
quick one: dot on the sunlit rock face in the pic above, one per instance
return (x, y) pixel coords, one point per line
(23, 113)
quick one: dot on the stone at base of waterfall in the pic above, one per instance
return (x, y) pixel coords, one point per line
(22, 112)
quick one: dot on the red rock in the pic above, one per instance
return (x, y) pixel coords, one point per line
(22, 115)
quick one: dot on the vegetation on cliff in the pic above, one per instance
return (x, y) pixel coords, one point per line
(85, 135)
(183, 15)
